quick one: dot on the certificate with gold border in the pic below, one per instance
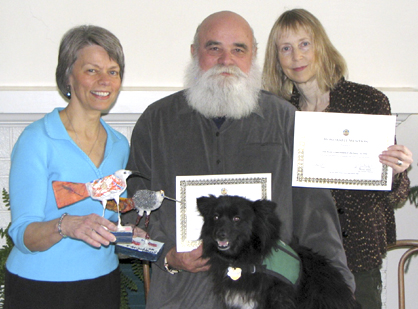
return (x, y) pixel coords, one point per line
(340, 151)
(188, 188)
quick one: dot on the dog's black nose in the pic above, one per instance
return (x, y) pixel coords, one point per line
(221, 234)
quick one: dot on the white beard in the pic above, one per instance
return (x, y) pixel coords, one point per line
(215, 95)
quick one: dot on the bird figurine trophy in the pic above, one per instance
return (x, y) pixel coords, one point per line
(107, 190)
(103, 189)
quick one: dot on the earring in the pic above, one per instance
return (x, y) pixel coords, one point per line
(69, 91)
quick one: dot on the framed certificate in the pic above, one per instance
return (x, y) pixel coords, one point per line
(189, 188)
(340, 151)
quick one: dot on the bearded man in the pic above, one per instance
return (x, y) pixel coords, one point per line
(223, 124)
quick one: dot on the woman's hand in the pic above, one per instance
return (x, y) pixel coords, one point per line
(92, 229)
(398, 157)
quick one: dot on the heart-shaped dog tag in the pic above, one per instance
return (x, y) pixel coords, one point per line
(234, 273)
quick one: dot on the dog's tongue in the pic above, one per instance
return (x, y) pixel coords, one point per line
(222, 243)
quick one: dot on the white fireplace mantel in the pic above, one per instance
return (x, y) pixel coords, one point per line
(24, 105)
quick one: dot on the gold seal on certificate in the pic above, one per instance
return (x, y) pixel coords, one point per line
(189, 188)
(340, 151)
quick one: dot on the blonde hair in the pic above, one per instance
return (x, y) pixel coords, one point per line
(330, 65)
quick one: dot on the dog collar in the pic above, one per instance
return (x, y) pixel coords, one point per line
(284, 264)
(235, 272)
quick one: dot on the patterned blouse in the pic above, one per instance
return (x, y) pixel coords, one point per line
(367, 217)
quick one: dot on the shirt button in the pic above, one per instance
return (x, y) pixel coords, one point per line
(340, 211)
(217, 134)
(345, 234)
(218, 161)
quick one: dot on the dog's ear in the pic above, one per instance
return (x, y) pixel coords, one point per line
(267, 222)
(205, 205)
(264, 208)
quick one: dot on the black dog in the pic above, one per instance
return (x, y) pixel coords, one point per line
(239, 236)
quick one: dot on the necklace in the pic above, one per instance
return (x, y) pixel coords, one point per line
(76, 136)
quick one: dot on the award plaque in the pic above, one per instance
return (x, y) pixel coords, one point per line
(188, 188)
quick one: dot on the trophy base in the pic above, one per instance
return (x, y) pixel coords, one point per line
(141, 248)
(124, 234)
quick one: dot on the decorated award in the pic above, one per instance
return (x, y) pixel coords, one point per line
(107, 190)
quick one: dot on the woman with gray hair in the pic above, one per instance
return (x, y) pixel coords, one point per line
(63, 258)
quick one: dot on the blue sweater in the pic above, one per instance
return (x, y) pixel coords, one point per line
(43, 153)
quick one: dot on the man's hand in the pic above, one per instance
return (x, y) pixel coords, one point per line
(189, 261)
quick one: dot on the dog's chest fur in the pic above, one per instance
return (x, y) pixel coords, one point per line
(240, 300)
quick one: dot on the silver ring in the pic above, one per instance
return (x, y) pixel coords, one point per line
(399, 162)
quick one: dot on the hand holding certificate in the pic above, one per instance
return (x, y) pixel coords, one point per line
(340, 151)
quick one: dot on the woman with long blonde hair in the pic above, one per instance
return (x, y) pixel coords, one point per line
(303, 66)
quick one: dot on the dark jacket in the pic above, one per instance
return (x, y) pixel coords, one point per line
(367, 217)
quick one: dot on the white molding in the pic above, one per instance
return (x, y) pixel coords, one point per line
(15, 119)
(25, 105)
(43, 100)
(402, 100)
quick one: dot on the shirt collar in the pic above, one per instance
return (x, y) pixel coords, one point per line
(56, 129)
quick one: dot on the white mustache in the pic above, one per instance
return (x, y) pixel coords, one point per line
(220, 69)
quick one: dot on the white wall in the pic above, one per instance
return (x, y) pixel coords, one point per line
(377, 38)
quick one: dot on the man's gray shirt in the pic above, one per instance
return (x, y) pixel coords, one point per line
(171, 139)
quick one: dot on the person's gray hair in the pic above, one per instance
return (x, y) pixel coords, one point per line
(76, 39)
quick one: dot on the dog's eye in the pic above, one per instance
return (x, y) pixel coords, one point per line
(236, 219)
(215, 217)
